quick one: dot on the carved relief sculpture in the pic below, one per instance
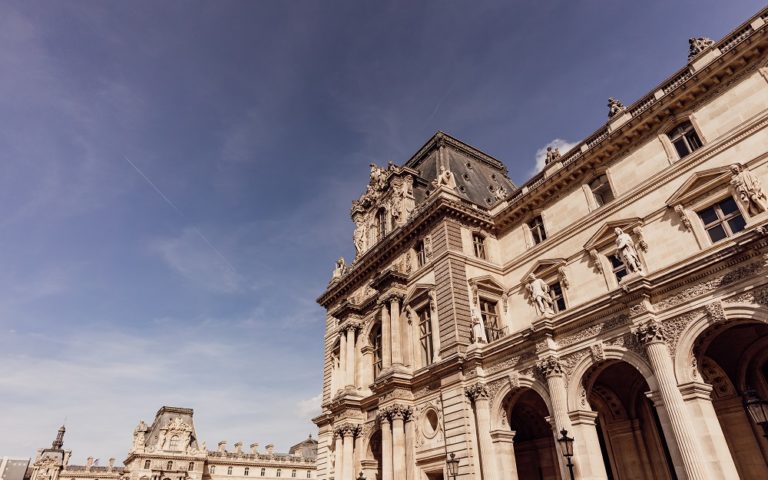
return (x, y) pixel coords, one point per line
(539, 293)
(748, 190)
(625, 247)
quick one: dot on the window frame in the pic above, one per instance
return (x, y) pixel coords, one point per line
(375, 340)
(595, 204)
(230, 470)
(537, 230)
(263, 472)
(147, 464)
(421, 253)
(426, 335)
(679, 133)
(479, 245)
(246, 471)
(723, 220)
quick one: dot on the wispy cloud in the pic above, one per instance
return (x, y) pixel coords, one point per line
(541, 154)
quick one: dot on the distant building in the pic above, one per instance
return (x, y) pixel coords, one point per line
(13, 468)
(169, 450)
(621, 294)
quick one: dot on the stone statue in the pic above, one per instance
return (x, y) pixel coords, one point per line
(378, 176)
(341, 268)
(698, 45)
(139, 434)
(539, 291)
(478, 333)
(615, 107)
(552, 155)
(625, 247)
(446, 178)
(748, 190)
(359, 236)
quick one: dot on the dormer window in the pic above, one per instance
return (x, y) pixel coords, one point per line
(478, 244)
(174, 443)
(601, 190)
(722, 220)
(685, 139)
(536, 226)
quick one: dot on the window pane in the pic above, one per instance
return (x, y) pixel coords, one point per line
(682, 148)
(708, 215)
(737, 224)
(728, 206)
(716, 233)
(615, 262)
(693, 140)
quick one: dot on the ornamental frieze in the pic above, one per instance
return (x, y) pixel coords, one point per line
(709, 285)
(674, 327)
(570, 361)
(759, 297)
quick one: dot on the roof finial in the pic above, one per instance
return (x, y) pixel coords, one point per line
(59, 442)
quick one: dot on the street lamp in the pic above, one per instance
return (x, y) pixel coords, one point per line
(566, 446)
(453, 466)
(757, 409)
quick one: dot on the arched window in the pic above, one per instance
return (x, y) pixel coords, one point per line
(147, 463)
(376, 344)
(263, 471)
(169, 465)
(293, 473)
(174, 443)
(246, 471)
(229, 470)
(685, 139)
(212, 469)
(278, 473)
(191, 466)
(381, 224)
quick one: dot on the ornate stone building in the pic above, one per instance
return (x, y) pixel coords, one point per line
(621, 294)
(168, 449)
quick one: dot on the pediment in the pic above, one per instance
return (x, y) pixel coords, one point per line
(417, 291)
(605, 235)
(700, 183)
(487, 282)
(544, 267)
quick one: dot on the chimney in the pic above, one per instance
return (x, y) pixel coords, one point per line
(270, 448)
(254, 448)
(239, 448)
(222, 446)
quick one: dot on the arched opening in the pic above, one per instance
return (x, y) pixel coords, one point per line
(336, 383)
(733, 358)
(375, 341)
(628, 426)
(371, 466)
(536, 454)
(174, 443)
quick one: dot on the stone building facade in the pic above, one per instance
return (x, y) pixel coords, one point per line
(621, 294)
(168, 449)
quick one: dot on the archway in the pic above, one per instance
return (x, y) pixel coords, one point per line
(536, 454)
(371, 464)
(628, 427)
(733, 357)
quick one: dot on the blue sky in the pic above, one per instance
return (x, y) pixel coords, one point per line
(176, 177)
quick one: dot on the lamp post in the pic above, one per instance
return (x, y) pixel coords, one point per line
(757, 409)
(453, 466)
(566, 446)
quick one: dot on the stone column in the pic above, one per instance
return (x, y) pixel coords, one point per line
(386, 447)
(341, 378)
(503, 441)
(586, 452)
(651, 335)
(396, 329)
(386, 337)
(435, 325)
(410, 439)
(552, 370)
(337, 472)
(348, 456)
(398, 442)
(351, 360)
(478, 394)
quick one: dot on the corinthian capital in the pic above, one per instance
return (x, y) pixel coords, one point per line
(476, 391)
(649, 332)
(550, 367)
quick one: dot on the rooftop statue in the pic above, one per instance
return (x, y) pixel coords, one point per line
(340, 270)
(698, 45)
(446, 178)
(748, 190)
(615, 107)
(553, 154)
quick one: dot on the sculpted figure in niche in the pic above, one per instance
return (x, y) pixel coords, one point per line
(748, 189)
(625, 247)
(446, 178)
(539, 291)
(478, 333)
(359, 235)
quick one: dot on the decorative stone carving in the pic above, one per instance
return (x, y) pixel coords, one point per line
(680, 211)
(649, 332)
(360, 234)
(715, 311)
(446, 178)
(340, 270)
(562, 277)
(596, 260)
(139, 436)
(598, 352)
(550, 367)
(478, 332)
(538, 291)
(698, 45)
(638, 231)
(514, 379)
(625, 247)
(615, 107)
(748, 190)
(428, 247)
(553, 155)
(476, 391)
(508, 363)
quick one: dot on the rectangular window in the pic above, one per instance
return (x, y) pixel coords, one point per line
(685, 139)
(263, 472)
(377, 357)
(558, 300)
(246, 471)
(191, 466)
(425, 336)
(490, 314)
(309, 473)
(293, 473)
(212, 469)
(537, 230)
(229, 470)
(278, 473)
(722, 220)
(146, 464)
(478, 242)
(601, 190)
(619, 270)
(421, 253)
